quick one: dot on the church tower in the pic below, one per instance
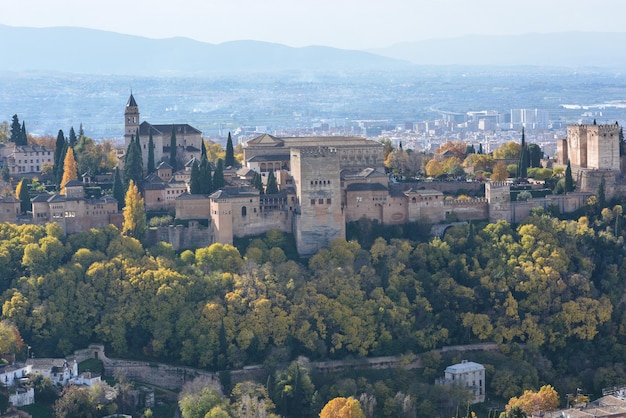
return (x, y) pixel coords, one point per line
(131, 119)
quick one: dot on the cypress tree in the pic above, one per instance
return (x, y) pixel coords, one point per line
(480, 149)
(203, 156)
(569, 181)
(218, 176)
(23, 195)
(206, 181)
(23, 135)
(272, 186)
(151, 165)
(524, 160)
(132, 164)
(81, 131)
(621, 141)
(118, 189)
(58, 154)
(194, 179)
(601, 195)
(229, 159)
(173, 150)
(16, 130)
(61, 167)
(139, 151)
(72, 137)
(257, 182)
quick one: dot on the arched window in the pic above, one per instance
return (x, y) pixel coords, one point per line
(244, 211)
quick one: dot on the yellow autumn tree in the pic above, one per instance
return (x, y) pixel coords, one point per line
(134, 213)
(342, 408)
(547, 399)
(500, 172)
(70, 169)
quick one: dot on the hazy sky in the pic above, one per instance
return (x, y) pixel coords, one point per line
(354, 24)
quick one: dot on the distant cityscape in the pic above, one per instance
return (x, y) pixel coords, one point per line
(422, 109)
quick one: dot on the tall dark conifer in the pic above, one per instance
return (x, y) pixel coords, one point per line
(58, 154)
(218, 176)
(257, 182)
(132, 164)
(173, 159)
(524, 158)
(194, 179)
(206, 179)
(151, 165)
(118, 189)
(569, 181)
(23, 135)
(72, 137)
(271, 187)
(61, 166)
(16, 130)
(203, 156)
(229, 159)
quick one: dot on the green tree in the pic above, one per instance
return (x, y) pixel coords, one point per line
(602, 194)
(622, 144)
(61, 167)
(535, 155)
(16, 130)
(206, 180)
(6, 175)
(569, 181)
(23, 135)
(59, 150)
(134, 213)
(293, 391)
(197, 403)
(132, 163)
(272, 186)
(203, 154)
(218, 176)
(257, 182)
(194, 179)
(118, 189)
(72, 137)
(524, 158)
(151, 163)
(173, 156)
(22, 193)
(229, 159)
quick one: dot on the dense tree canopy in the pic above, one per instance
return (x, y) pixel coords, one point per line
(554, 285)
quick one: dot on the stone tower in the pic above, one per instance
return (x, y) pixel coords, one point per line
(498, 194)
(131, 119)
(319, 216)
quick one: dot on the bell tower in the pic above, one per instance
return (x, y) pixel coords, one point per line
(131, 119)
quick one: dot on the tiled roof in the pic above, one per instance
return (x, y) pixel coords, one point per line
(166, 129)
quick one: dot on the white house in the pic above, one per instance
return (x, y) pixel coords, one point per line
(58, 370)
(467, 374)
(10, 374)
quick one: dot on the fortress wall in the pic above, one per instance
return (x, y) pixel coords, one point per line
(261, 222)
(468, 210)
(395, 211)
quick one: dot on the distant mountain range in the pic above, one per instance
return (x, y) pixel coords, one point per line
(79, 50)
(565, 49)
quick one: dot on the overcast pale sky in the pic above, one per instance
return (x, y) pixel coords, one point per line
(353, 24)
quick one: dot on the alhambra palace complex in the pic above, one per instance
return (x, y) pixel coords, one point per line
(324, 183)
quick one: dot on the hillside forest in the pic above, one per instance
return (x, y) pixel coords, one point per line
(549, 290)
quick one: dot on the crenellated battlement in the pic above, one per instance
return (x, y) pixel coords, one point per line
(467, 202)
(319, 151)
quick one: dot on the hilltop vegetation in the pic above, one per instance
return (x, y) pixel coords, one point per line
(554, 285)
